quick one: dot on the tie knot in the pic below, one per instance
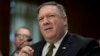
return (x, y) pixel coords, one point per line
(51, 46)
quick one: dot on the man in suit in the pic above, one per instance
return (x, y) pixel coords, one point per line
(57, 40)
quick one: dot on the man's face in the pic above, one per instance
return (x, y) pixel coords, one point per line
(22, 35)
(51, 22)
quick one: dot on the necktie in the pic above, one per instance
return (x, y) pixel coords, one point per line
(50, 52)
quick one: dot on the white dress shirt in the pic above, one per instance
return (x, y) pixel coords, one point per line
(57, 44)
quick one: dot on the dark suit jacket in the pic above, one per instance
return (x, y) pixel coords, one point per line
(72, 45)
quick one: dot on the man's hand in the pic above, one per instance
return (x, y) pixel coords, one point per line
(26, 51)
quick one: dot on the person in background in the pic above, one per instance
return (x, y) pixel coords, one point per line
(58, 41)
(21, 35)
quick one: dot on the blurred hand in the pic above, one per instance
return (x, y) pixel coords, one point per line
(26, 51)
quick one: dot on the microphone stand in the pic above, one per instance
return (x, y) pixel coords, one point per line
(20, 45)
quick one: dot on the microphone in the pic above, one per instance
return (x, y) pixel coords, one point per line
(30, 39)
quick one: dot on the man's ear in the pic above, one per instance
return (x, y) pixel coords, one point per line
(65, 20)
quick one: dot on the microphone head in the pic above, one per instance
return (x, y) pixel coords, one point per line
(30, 39)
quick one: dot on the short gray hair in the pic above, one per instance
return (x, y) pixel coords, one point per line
(59, 6)
(24, 27)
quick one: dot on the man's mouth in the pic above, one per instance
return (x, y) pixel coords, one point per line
(48, 29)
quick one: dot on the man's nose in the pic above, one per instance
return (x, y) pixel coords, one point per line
(21, 38)
(45, 21)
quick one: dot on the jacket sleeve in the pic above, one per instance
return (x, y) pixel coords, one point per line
(92, 49)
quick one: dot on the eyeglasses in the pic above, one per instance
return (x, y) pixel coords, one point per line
(22, 36)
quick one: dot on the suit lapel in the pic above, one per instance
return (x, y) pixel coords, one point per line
(65, 45)
(38, 51)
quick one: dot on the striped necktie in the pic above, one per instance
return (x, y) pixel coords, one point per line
(50, 52)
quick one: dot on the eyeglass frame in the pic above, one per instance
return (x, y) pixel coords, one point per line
(22, 35)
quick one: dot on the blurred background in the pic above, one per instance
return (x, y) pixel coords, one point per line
(23, 13)
(83, 19)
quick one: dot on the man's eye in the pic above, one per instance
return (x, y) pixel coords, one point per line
(40, 19)
(17, 35)
(25, 36)
(51, 15)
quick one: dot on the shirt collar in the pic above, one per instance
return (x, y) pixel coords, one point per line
(57, 44)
